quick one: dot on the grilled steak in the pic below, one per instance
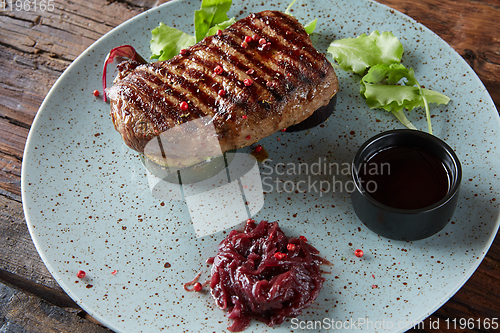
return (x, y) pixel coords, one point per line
(260, 75)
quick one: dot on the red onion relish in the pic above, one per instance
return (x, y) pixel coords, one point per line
(251, 282)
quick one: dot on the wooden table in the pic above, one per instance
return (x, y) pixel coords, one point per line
(37, 46)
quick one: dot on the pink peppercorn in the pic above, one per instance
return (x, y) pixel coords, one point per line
(219, 32)
(258, 148)
(262, 41)
(197, 286)
(255, 37)
(248, 82)
(290, 247)
(81, 274)
(96, 93)
(244, 45)
(244, 117)
(218, 70)
(279, 255)
(184, 52)
(358, 253)
(248, 39)
(250, 221)
(250, 71)
(222, 93)
(248, 137)
(184, 106)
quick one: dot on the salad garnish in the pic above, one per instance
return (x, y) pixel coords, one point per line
(166, 42)
(385, 82)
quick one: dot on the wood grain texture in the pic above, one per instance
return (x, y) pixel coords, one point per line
(35, 49)
(24, 313)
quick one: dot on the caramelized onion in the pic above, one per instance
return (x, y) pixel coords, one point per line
(250, 282)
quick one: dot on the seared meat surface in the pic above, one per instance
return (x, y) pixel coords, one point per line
(258, 76)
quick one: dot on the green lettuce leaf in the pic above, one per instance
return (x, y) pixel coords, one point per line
(393, 98)
(358, 54)
(166, 42)
(220, 26)
(386, 83)
(311, 26)
(211, 14)
(394, 88)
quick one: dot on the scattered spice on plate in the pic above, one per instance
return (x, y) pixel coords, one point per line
(197, 286)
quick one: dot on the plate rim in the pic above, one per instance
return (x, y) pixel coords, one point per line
(53, 90)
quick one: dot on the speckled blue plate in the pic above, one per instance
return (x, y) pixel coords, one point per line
(88, 204)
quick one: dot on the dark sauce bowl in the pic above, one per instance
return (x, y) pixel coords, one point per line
(407, 224)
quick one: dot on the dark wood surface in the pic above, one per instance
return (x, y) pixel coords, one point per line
(37, 46)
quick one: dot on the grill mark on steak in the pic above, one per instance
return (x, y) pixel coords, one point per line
(185, 90)
(288, 82)
(240, 60)
(243, 60)
(168, 100)
(229, 52)
(235, 64)
(187, 81)
(211, 57)
(148, 85)
(274, 28)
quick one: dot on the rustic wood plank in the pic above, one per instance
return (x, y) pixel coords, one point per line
(10, 174)
(38, 46)
(25, 313)
(26, 83)
(18, 254)
(13, 139)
